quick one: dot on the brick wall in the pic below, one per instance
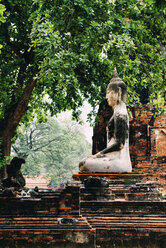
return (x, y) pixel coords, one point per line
(147, 140)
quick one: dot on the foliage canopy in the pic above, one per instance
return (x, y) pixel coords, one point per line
(67, 50)
(85, 40)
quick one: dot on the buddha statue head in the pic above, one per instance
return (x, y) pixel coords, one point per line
(116, 90)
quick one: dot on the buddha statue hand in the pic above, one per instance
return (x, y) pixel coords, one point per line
(99, 155)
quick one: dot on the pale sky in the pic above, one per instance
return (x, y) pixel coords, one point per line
(88, 131)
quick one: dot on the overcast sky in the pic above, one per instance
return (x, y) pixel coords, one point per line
(87, 130)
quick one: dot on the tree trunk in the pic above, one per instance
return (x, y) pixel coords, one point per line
(9, 125)
(5, 144)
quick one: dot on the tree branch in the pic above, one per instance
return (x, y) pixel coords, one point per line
(15, 149)
(20, 154)
(10, 44)
(37, 149)
(15, 117)
(31, 138)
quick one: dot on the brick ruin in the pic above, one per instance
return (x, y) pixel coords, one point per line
(129, 212)
(148, 141)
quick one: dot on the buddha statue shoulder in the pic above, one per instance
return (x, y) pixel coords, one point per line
(115, 157)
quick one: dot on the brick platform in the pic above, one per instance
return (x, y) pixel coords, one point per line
(32, 223)
(110, 219)
(44, 231)
(131, 219)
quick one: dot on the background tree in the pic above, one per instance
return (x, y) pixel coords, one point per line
(67, 49)
(53, 149)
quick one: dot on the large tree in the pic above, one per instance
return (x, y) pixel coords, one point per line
(67, 49)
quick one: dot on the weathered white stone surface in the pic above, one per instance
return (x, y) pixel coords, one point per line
(113, 159)
(117, 161)
(111, 162)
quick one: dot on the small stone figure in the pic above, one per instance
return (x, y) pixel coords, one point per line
(15, 177)
(33, 193)
(96, 182)
(67, 221)
(97, 189)
(36, 189)
(22, 193)
(114, 158)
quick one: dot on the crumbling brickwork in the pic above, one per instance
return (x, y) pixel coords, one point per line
(147, 140)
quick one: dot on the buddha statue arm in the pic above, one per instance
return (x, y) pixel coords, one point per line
(120, 134)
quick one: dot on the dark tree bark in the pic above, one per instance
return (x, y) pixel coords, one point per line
(10, 123)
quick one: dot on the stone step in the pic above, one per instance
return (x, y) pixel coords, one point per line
(124, 221)
(40, 223)
(121, 208)
(129, 177)
(128, 227)
(37, 235)
(148, 196)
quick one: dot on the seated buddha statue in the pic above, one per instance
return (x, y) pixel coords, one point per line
(115, 157)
